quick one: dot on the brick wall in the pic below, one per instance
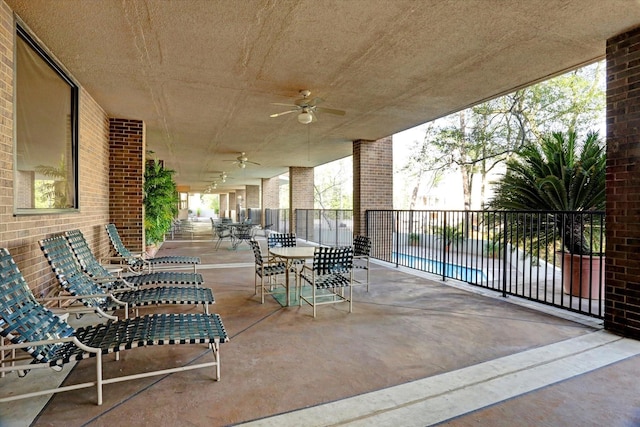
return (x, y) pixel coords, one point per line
(126, 175)
(372, 178)
(20, 234)
(301, 182)
(253, 196)
(622, 271)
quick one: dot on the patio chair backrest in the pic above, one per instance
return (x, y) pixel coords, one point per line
(83, 253)
(282, 240)
(335, 260)
(257, 252)
(69, 272)
(118, 246)
(22, 318)
(361, 246)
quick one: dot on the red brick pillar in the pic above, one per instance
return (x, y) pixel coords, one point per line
(270, 196)
(224, 205)
(300, 193)
(373, 187)
(622, 267)
(126, 173)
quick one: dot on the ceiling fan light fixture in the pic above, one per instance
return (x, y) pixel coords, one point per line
(242, 165)
(305, 117)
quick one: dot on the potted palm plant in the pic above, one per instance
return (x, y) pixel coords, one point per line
(561, 174)
(160, 202)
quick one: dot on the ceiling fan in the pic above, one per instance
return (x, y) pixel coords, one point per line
(307, 108)
(242, 161)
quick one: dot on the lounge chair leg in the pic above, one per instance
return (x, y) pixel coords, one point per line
(99, 377)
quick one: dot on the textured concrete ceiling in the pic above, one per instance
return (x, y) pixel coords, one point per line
(203, 74)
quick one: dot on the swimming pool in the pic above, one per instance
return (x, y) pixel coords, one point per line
(459, 272)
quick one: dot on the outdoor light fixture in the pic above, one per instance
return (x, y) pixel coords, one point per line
(305, 117)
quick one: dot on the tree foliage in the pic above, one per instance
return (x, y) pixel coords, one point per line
(557, 173)
(474, 141)
(160, 201)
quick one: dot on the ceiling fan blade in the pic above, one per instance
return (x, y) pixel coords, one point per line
(283, 113)
(315, 101)
(331, 111)
(284, 105)
(255, 163)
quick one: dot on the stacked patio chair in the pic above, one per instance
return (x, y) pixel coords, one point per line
(330, 274)
(51, 342)
(137, 263)
(96, 296)
(99, 273)
(361, 252)
(266, 269)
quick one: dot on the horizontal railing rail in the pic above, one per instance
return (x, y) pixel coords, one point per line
(277, 220)
(330, 227)
(555, 258)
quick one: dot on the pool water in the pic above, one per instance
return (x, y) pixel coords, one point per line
(459, 272)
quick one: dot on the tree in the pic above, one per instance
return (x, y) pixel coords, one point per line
(560, 174)
(475, 141)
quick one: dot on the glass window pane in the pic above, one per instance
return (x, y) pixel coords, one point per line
(46, 103)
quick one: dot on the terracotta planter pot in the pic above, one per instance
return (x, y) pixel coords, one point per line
(151, 251)
(581, 275)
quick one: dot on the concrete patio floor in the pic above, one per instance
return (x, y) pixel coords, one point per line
(415, 351)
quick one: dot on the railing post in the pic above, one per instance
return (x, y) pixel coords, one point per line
(504, 255)
(444, 247)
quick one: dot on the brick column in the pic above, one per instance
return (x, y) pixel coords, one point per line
(300, 192)
(252, 193)
(126, 173)
(622, 267)
(224, 205)
(232, 206)
(372, 186)
(270, 195)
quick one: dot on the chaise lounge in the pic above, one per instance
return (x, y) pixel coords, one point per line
(51, 342)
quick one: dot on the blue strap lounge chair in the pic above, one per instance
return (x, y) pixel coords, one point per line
(98, 272)
(51, 342)
(137, 263)
(73, 280)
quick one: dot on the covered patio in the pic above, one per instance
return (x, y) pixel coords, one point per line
(415, 351)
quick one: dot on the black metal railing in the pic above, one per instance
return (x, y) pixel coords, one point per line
(519, 253)
(277, 220)
(331, 227)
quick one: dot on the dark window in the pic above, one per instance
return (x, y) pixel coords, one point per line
(46, 111)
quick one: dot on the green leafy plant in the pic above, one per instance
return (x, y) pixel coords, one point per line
(54, 193)
(450, 234)
(160, 201)
(558, 173)
(414, 238)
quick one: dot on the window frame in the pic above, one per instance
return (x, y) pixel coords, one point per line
(27, 36)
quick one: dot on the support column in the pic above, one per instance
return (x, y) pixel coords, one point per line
(224, 205)
(622, 267)
(300, 193)
(270, 196)
(373, 185)
(126, 174)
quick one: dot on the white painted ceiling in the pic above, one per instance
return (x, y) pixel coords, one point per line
(202, 74)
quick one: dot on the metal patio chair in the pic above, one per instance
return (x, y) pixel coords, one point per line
(50, 342)
(265, 269)
(96, 295)
(361, 253)
(136, 262)
(330, 274)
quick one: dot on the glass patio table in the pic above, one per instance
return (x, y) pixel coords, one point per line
(290, 255)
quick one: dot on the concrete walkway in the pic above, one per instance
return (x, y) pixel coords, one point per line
(415, 351)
